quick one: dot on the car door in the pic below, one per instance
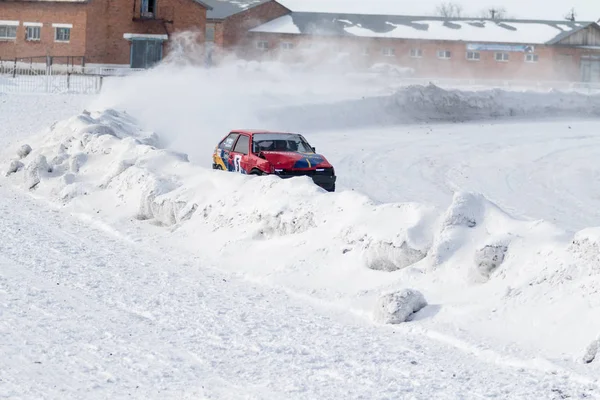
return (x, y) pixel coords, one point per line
(238, 157)
(222, 152)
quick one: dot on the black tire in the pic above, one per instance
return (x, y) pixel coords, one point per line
(256, 172)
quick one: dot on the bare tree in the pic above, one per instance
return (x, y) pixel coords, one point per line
(494, 13)
(571, 15)
(449, 10)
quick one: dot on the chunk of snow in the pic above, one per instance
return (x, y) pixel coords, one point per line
(77, 161)
(489, 258)
(586, 248)
(24, 151)
(385, 256)
(35, 170)
(15, 165)
(395, 308)
(592, 351)
(465, 212)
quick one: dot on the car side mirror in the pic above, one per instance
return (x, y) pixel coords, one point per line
(261, 155)
(314, 150)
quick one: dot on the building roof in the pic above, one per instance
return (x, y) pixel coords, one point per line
(221, 9)
(424, 28)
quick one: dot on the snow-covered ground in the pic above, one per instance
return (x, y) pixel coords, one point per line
(89, 314)
(543, 169)
(22, 116)
(132, 270)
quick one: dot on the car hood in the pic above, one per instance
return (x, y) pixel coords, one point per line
(290, 160)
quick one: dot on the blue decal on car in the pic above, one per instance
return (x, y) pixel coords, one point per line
(309, 161)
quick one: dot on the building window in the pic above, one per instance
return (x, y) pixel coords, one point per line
(210, 33)
(148, 9)
(8, 32)
(388, 52)
(444, 54)
(62, 32)
(262, 45)
(287, 46)
(33, 32)
(502, 57)
(473, 56)
(531, 58)
(416, 53)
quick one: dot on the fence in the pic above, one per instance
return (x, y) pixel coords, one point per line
(23, 77)
(27, 76)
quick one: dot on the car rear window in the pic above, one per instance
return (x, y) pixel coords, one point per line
(228, 142)
(242, 145)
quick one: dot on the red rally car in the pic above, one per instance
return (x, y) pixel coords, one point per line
(282, 154)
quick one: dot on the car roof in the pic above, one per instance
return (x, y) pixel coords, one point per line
(259, 131)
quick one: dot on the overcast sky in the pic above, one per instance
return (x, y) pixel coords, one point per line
(587, 10)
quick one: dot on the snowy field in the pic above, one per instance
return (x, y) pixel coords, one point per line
(129, 269)
(541, 170)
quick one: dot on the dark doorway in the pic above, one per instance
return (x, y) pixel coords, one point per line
(145, 53)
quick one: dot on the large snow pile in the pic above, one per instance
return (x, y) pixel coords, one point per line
(430, 103)
(339, 247)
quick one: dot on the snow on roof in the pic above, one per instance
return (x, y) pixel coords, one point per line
(225, 8)
(284, 24)
(424, 28)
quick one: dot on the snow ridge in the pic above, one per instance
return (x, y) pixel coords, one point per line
(418, 103)
(341, 247)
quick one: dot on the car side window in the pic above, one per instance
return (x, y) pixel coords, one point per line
(242, 145)
(228, 142)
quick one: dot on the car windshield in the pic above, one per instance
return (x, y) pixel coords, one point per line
(280, 142)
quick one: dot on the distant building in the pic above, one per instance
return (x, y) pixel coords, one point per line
(438, 47)
(120, 32)
(228, 21)
(136, 33)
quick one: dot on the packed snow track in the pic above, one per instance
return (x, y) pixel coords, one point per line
(100, 317)
(541, 170)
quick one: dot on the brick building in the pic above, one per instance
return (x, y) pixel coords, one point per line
(438, 47)
(228, 21)
(116, 32)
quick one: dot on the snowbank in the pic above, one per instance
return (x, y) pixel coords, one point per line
(430, 103)
(94, 154)
(339, 247)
